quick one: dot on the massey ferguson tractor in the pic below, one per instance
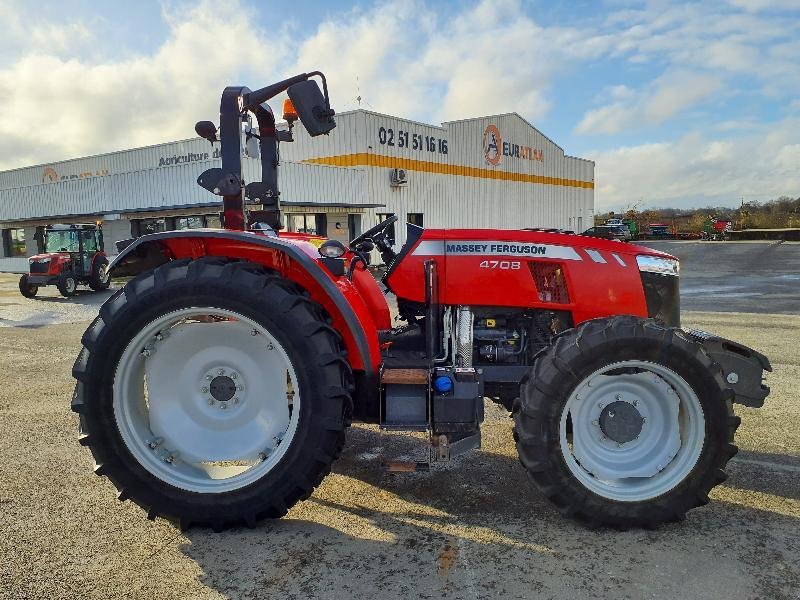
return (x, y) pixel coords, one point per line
(73, 256)
(216, 386)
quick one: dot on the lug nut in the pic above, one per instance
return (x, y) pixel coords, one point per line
(254, 332)
(270, 346)
(262, 456)
(155, 443)
(234, 375)
(159, 337)
(146, 353)
(596, 423)
(221, 372)
(635, 403)
(204, 389)
(209, 377)
(618, 396)
(223, 405)
(211, 402)
(235, 400)
(239, 388)
(577, 396)
(619, 444)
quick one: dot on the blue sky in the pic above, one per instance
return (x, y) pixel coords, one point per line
(678, 103)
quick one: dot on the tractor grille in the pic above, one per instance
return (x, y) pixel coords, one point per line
(661, 292)
(40, 267)
(550, 282)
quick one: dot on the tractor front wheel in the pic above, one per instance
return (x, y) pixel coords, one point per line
(625, 423)
(27, 289)
(212, 392)
(67, 284)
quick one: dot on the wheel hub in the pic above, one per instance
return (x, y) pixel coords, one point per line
(222, 388)
(621, 422)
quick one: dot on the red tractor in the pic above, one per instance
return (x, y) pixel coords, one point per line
(216, 386)
(73, 256)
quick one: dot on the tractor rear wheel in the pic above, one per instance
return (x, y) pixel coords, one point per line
(625, 423)
(212, 392)
(99, 279)
(26, 288)
(67, 284)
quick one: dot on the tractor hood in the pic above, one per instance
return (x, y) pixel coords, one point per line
(546, 269)
(542, 237)
(49, 256)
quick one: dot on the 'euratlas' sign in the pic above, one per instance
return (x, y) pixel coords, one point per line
(493, 248)
(50, 175)
(495, 148)
(179, 159)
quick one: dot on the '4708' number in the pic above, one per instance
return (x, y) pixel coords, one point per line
(512, 265)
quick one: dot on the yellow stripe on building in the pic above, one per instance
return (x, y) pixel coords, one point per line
(367, 159)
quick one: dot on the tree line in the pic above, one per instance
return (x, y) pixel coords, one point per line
(780, 213)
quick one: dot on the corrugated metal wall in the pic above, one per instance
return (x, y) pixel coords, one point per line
(169, 186)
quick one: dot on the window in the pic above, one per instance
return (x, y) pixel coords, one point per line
(89, 240)
(315, 224)
(189, 222)
(15, 242)
(146, 226)
(62, 240)
(414, 219)
(213, 221)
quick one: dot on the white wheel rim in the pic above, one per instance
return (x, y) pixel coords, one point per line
(178, 414)
(70, 285)
(668, 444)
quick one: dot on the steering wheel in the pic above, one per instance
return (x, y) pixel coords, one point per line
(377, 235)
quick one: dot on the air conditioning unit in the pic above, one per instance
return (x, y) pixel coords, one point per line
(399, 178)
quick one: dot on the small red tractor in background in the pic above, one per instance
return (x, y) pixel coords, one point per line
(73, 255)
(216, 386)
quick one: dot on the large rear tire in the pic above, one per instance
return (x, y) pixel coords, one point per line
(212, 392)
(625, 423)
(99, 279)
(26, 288)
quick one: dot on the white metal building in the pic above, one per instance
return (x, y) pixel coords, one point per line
(497, 171)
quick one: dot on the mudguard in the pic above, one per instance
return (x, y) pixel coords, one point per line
(289, 258)
(742, 367)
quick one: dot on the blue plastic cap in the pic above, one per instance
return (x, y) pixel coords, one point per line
(443, 384)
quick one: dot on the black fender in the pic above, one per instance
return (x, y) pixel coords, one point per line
(148, 252)
(742, 367)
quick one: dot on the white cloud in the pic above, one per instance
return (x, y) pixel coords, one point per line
(665, 97)
(695, 170)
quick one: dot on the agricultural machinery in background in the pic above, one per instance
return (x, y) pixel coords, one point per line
(216, 386)
(73, 255)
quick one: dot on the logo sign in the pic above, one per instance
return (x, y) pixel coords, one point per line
(492, 141)
(50, 175)
(494, 148)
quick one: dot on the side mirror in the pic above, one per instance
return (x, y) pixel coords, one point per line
(206, 130)
(312, 107)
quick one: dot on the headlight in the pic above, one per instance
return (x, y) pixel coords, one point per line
(658, 264)
(332, 249)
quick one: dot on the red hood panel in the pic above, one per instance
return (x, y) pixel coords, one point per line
(540, 237)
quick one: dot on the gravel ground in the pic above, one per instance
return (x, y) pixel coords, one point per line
(471, 529)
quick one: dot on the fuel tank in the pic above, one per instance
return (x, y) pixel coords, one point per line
(590, 277)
